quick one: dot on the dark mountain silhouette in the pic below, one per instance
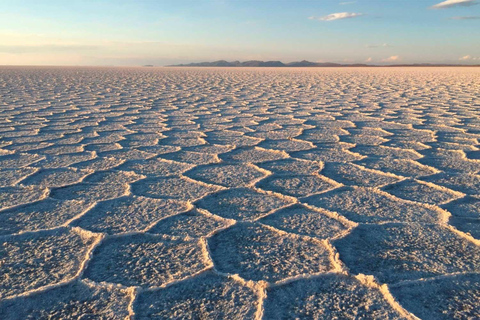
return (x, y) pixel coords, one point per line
(304, 64)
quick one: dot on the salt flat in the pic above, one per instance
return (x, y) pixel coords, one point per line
(160, 193)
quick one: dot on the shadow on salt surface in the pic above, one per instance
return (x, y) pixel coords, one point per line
(145, 260)
(12, 176)
(208, 296)
(256, 252)
(78, 299)
(465, 215)
(332, 296)
(396, 252)
(450, 297)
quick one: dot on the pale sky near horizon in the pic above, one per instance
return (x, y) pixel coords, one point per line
(120, 32)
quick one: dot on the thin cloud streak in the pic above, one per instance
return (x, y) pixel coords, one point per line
(454, 3)
(338, 16)
(466, 18)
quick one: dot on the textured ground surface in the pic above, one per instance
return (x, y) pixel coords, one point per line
(239, 193)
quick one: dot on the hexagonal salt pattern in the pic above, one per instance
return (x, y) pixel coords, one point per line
(155, 193)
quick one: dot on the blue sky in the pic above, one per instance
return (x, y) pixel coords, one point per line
(116, 32)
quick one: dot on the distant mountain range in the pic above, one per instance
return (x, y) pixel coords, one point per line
(303, 63)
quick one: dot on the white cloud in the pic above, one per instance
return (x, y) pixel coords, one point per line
(347, 2)
(338, 16)
(383, 45)
(466, 18)
(369, 59)
(391, 59)
(468, 58)
(453, 3)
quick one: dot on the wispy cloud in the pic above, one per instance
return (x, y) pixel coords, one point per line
(347, 3)
(453, 3)
(383, 45)
(466, 18)
(391, 59)
(338, 16)
(468, 58)
(369, 59)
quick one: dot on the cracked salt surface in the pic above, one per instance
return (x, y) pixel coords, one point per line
(239, 194)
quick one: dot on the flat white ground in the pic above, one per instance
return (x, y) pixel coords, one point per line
(160, 193)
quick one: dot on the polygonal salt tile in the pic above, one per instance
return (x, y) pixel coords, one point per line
(90, 192)
(400, 167)
(327, 297)
(183, 142)
(257, 253)
(128, 214)
(297, 185)
(75, 300)
(329, 154)
(160, 149)
(227, 175)
(34, 260)
(237, 141)
(253, 155)
(242, 204)
(207, 296)
(98, 164)
(292, 166)
(64, 160)
(195, 158)
(351, 174)
(46, 214)
(451, 161)
(103, 147)
(19, 160)
(113, 177)
(127, 154)
(51, 178)
(144, 260)
(189, 224)
(388, 152)
(304, 221)
(61, 149)
(10, 177)
(211, 149)
(463, 182)
(364, 140)
(288, 145)
(396, 252)
(465, 215)
(422, 192)
(156, 167)
(452, 297)
(14, 196)
(173, 188)
(366, 205)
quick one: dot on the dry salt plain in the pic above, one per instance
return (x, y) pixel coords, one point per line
(162, 193)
